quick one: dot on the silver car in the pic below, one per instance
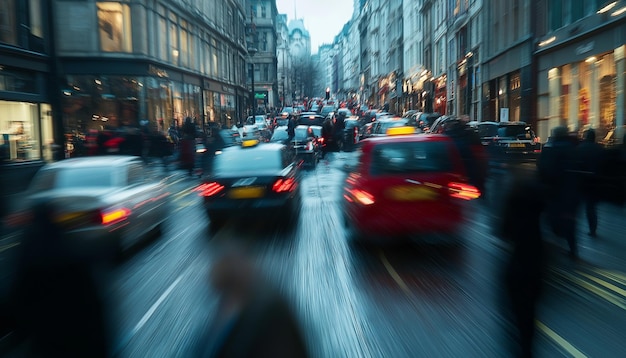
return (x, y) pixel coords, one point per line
(103, 203)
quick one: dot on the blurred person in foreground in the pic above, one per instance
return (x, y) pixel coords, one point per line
(253, 319)
(590, 156)
(56, 296)
(520, 225)
(558, 171)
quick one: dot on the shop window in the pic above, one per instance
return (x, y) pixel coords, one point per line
(114, 27)
(8, 26)
(19, 130)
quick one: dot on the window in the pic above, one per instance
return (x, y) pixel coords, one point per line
(174, 52)
(8, 26)
(263, 11)
(114, 27)
(265, 76)
(19, 130)
(410, 157)
(162, 38)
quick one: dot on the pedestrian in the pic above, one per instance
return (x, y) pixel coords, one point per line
(56, 295)
(253, 319)
(558, 171)
(520, 226)
(590, 156)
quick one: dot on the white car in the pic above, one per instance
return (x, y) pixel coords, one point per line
(104, 204)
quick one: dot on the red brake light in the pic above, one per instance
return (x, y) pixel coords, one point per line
(284, 185)
(114, 215)
(362, 197)
(463, 191)
(209, 189)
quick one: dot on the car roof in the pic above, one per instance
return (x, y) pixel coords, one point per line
(259, 147)
(421, 137)
(94, 161)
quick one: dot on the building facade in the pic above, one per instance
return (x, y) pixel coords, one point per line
(581, 67)
(27, 89)
(123, 63)
(265, 40)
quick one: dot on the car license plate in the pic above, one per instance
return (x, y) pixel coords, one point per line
(250, 192)
(412, 193)
(517, 145)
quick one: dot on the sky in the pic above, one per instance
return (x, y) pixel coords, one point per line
(324, 19)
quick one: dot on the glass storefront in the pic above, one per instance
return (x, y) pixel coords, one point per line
(588, 95)
(22, 138)
(92, 104)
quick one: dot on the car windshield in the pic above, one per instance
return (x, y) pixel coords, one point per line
(301, 133)
(279, 135)
(81, 177)
(519, 132)
(410, 157)
(487, 130)
(236, 161)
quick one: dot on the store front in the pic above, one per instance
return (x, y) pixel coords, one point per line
(26, 131)
(440, 100)
(583, 86)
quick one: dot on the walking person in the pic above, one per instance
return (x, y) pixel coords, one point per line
(590, 157)
(558, 171)
(520, 225)
(253, 318)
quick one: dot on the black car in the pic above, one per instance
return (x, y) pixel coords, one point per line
(307, 144)
(508, 142)
(252, 180)
(351, 133)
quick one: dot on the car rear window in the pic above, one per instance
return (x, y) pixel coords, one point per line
(73, 178)
(279, 135)
(410, 157)
(247, 160)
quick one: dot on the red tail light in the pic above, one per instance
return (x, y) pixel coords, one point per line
(362, 197)
(463, 191)
(309, 146)
(284, 185)
(209, 189)
(115, 215)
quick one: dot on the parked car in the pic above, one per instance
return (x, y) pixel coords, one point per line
(252, 180)
(508, 142)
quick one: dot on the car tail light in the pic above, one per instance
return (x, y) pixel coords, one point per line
(463, 191)
(209, 189)
(284, 185)
(309, 146)
(111, 216)
(362, 197)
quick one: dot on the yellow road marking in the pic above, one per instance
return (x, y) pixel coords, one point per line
(393, 273)
(605, 284)
(613, 275)
(619, 302)
(568, 347)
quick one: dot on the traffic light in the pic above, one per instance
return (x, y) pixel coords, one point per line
(328, 93)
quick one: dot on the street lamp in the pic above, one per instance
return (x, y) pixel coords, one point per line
(251, 52)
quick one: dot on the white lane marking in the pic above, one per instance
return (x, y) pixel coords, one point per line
(156, 305)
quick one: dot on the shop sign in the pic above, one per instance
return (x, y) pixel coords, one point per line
(582, 49)
(153, 70)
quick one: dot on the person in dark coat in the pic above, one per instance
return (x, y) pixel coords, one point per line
(57, 294)
(558, 171)
(520, 225)
(590, 156)
(253, 318)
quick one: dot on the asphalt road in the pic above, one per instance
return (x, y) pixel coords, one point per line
(405, 300)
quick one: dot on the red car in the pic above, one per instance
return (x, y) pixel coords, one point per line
(406, 185)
